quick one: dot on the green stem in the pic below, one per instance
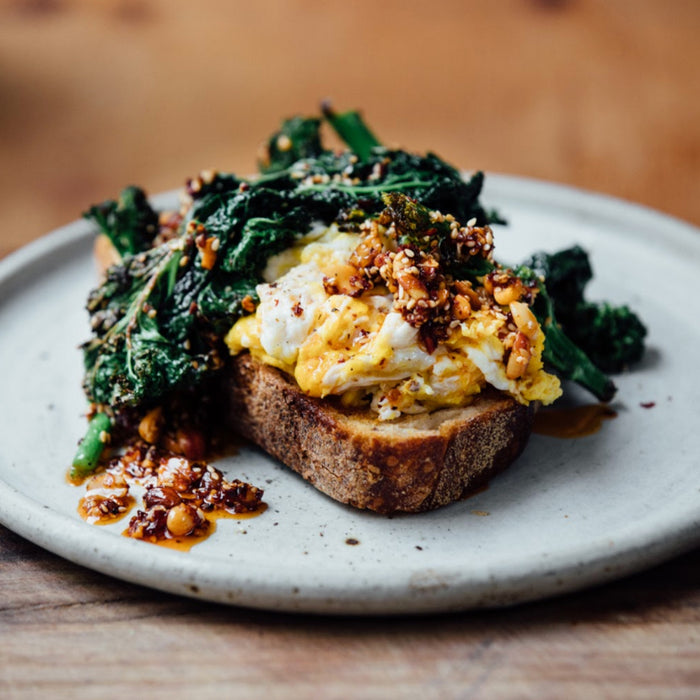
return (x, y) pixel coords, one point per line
(368, 189)
(91, 446)
(352, 129)
(572, 363)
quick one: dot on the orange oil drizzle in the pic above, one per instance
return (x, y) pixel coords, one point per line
(572, 422)
(184, 544)
(89, 506)
(107, 518)
(76, 480)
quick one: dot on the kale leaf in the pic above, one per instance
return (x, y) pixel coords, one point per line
(130, 360)
(426, 179)
(611, 336)
(298, 138)
(130, 222)
(159, 318)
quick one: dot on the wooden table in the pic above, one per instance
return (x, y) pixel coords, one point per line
(93, 96)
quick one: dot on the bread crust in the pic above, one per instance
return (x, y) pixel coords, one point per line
(412, 464)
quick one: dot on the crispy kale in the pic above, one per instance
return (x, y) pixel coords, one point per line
(298, 138)
(359, 176)
(611, 336)
(130, 358)
(130, 222)
(159, 318)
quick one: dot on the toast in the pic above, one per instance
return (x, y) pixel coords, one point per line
(411, 464)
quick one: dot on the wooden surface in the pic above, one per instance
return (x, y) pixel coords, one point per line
(68, 632)
(95, 95)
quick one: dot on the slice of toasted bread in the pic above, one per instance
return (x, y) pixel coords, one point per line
(412, 464)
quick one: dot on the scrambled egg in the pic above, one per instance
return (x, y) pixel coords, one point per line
(362, 349)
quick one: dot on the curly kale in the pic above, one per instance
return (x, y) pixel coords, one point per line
(359, 176)
(130, 222)
(611, 336)
(159, 318)
(130, 359)
(298, 138)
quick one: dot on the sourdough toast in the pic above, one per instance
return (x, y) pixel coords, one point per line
(411, 464)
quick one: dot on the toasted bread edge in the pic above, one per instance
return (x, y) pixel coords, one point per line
(412, 464)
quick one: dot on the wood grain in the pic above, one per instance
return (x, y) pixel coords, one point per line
(96, 95)
(70, 632)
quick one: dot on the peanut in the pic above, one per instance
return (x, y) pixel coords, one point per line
(461, 307)
(519, 357)
(150, 425)
(508, 294)
(524, 319)
(182, 520)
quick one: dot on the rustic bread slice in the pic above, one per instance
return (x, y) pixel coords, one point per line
(412, 464)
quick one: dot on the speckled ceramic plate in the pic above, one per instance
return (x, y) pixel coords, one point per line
(568, 514)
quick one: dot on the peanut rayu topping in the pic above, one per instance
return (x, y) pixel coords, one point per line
(407, 312)
(402, 250)
(179, 496)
